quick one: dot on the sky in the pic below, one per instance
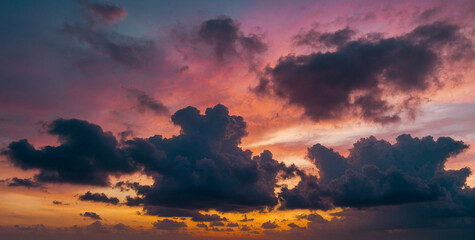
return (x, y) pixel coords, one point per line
(237, 119)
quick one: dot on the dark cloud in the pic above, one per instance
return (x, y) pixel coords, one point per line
(145, 102)
(121, 227)
(32, 228)
(91, 215)
(313, 217)
(183, 69)
(357, 78)
(448, 37)
(24, 182)
(436, 34)
(97, 226)
(167, 224)
(216, 224)
(207, 218)
(124, 135)
(269, 225)
(317, 39)
(245, 228)
(377, 173)
(253, 44)
(86, 155)
(245, 219)
(107, 12)
(262, 88)
(168, 211)
(221, 33)
(202, 225)
(295, 226)
(203, 167)
(224, 37)
(94, 231)
(402, 186)
(232, 225)
(307, 194)
(58, 203)
(98, 197)
(126, 186)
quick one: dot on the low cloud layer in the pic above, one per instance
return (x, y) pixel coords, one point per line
(98, 197)
(167, 224)
(201, 168)
(204, 168)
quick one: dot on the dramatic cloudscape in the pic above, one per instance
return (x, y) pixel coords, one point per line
(237, 119)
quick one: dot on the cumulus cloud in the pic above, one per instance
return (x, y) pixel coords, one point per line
(359, 76)
(313, 217)
(207, 218)
(379, 173)
(91, 215)
(202, 168)
(86, 154)
(269, 225)
(209, 170)
(202, 225)
(231, 224)
(167, 224)
(98, 197)
(216, 224)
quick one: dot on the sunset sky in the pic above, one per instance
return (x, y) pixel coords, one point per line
(237, 119)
